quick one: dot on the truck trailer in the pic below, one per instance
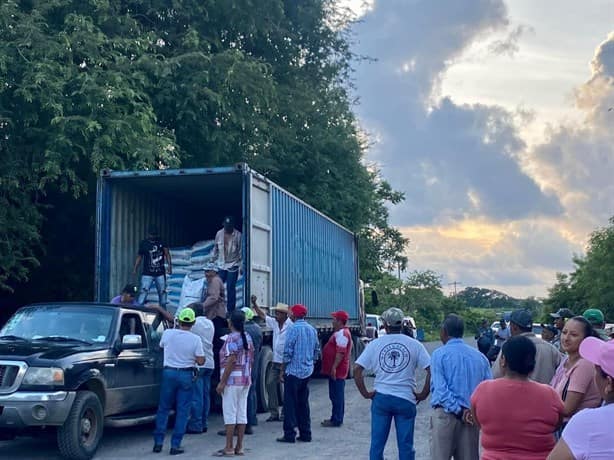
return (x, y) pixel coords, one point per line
(292, 253)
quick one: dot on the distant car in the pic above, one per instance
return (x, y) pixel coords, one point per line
(375, 326)
(410, 324)
(495, 326)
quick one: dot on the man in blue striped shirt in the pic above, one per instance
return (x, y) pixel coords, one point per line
(302, 349)
(456, 370)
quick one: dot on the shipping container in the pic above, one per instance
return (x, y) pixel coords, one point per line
(292, 253)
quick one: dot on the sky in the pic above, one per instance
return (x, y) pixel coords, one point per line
(492, 116)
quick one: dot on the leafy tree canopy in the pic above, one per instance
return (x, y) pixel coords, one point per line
(143, 84)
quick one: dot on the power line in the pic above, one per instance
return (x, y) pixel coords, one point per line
(455, 283)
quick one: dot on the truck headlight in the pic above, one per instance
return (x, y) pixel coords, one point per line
(44, 376)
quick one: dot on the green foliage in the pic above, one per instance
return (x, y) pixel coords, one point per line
(591, 284)
(144, 84)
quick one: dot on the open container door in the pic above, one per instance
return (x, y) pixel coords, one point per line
(259, 243)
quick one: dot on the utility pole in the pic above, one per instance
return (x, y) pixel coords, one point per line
(455, 283)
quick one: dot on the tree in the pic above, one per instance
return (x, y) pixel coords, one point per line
(591, 284)
(144, 84)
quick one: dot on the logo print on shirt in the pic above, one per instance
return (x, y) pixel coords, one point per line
(394, 357)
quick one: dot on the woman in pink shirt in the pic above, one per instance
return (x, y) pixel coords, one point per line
(517, 416)
(589, 434)
(574, 380)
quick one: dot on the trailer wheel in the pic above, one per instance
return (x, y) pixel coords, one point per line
(78, 438)
(266, 362)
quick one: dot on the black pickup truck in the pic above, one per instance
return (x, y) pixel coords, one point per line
(77, 367)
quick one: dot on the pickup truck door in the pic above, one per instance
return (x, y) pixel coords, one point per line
(136, 374)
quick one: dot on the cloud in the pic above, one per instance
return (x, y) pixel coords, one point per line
(452, 161)
(577, 161)
(509, 45)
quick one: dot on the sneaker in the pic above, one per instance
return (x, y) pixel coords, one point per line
(284, 439)
(249, 429)
(274, 418)
(330, 423)
(176, 451)
(157, 448)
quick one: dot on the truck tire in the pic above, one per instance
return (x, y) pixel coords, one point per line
(262, 395)
(78, 438)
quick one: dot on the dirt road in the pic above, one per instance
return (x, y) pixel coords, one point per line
(349, 441)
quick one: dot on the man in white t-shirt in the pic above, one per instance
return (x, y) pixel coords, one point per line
(183, 351)
(280, 325)
(201, 401)
(394, 359)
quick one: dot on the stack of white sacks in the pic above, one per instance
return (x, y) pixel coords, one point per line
(187, 282)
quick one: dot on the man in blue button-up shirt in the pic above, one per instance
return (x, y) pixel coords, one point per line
(301, 350)
(456, 370)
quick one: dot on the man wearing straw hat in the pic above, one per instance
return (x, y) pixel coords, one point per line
(279, 324)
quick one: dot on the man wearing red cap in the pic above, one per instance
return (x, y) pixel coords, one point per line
(336, 364)
(301, 350)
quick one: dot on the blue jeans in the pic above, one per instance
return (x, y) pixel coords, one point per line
(296, 407)
(383, 409)
(230, 278)
(176, 390)
(336, 393)
(146, 282)
(201, 401)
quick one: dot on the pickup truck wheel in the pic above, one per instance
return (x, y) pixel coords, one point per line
(266, 363)
(78, 438)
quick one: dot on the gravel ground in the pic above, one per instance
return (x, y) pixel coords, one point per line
(349, 441)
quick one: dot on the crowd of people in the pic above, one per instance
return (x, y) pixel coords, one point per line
(534, 402)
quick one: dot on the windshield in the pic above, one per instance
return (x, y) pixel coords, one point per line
(84, 324)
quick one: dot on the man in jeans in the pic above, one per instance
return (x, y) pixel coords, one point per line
(182, 352)
(201, 401)
(336, 365)
(302, 349)
(227, 254)
(153, 252)
(393, 358)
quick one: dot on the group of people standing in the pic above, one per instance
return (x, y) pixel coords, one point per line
(188, 350)
(533, 403)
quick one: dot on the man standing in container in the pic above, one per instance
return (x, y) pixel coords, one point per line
(393, 358)
(336, 365)
(227, 253)
(280, 325)
(153, 252)
(302, 349)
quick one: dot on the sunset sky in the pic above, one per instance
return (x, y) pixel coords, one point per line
(493, 118)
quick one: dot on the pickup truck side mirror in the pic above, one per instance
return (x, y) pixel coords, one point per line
(131, 342)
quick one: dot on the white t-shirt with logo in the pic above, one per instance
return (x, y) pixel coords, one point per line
(181, 348)
(203, 328)
(394, 359)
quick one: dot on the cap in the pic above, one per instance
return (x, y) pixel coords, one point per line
(340, 315)
(522, 318)
(228, 220)
(130, 289)
(599, 352)
(299, 310)
(563, 313)
(393, 316)
(594, 316)
(187, 315)
(211, 268)
(249, 313)
(550, 327)
(280, 307)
